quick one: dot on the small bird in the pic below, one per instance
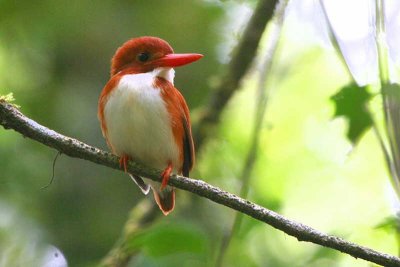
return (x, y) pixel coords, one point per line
(144, 118)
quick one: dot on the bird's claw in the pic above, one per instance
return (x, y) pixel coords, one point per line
(165, 176)
(123, 162)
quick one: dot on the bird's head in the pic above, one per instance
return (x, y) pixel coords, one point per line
(147, 53)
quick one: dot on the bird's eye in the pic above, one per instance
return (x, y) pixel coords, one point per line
(143, 57)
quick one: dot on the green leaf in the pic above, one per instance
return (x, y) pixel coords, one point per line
(351, 102)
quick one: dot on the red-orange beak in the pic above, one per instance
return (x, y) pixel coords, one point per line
(176, 60)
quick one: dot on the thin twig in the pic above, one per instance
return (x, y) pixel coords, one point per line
(12, 118)
(390, 97)
(53, 173)
(332, 37)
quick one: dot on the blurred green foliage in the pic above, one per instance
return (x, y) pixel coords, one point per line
(54, 57)
(166, 244)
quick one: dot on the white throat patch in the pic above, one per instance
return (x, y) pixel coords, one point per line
(166, 73)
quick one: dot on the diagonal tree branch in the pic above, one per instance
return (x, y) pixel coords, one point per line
(241, 60)
(12, 118)
(262, 99)
(203, 128)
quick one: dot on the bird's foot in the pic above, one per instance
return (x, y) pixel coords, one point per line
(123, 162)
(165, 176)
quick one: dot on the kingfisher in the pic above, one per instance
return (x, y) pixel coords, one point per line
(144, 118)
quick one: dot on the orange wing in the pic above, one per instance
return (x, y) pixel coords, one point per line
(105, 93)
(188, 146)
(180, 120)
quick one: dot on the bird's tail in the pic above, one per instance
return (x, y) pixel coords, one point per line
(165, 198)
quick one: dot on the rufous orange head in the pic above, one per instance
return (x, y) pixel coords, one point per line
(147, 53)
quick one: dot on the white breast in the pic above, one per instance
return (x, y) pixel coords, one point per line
(138, 123)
